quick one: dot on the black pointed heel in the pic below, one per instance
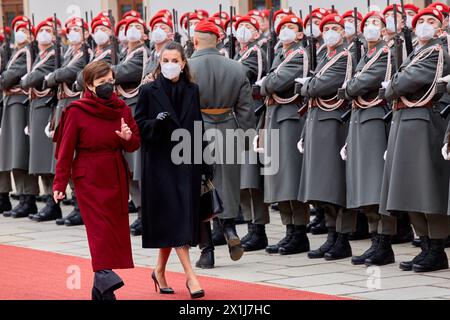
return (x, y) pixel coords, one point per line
(161, 290)
(196, 294)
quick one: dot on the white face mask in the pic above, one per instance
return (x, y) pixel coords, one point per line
(331, 38)
(315, 31)
(349, 29)
(74, 37)
(191, 30)
(244, 34)
(122, 36)
(390, 24)
(409, 20)
(170, 70)
(229, 31)
(287, 36)
(425, 31)
(159, 35)
(100, 37)
(372, 33)
(20, 37)
(133, 34)
(44, 38)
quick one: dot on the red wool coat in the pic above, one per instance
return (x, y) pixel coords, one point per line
(100, 174)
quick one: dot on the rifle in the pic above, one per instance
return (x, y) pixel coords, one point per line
(368, 5)
(114, 54)
(177, 35)
(272, 39)
(7, 41)
(34, 50)
(189, 44)
(85, 45)
(304, 40)
(58, 61)
(406, 31)
(232, 40)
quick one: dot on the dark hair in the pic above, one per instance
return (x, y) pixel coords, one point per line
(95, 70)
(178, 47)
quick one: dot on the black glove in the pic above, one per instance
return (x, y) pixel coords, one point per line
(163, 116)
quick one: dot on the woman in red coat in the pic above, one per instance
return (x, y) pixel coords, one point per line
(99, 128)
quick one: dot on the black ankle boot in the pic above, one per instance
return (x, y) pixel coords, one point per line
(436, 259)
(74, 219)
(232, 238)
(320, 227)
(217, 235)
(29, 207)
(362, 228)
(405, 232)
(258, 241)
(131, 207)
(324, 248)
(318, 218)
(299, 242)
(206, 260)
(424, 245)
(357, 260)
(136, 227)
(384, 254)
(250, 231)
(416, 242)
(341, 248)
(275, 247)
(51, 211)
(18, 207)
(5, 203)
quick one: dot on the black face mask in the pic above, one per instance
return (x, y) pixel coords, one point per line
(104, 91)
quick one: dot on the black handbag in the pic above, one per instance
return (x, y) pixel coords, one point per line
(210, 202)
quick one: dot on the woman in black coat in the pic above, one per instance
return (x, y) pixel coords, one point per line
(170, 190)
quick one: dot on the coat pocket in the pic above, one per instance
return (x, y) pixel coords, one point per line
(372, 114)
(416, 114)
(330, 115)
(287, 112)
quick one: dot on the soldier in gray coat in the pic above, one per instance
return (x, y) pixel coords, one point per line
(226, 101)
(322, 139)
(63, 80)
(14, 143)
(367, 141)
(41, 106)
(418, 181)
(283, 127)
(254, 210)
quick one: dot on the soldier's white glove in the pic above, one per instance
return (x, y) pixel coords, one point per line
(344, 152)
(302, 80)
(47, 131)
(26, 131)
(445, 153)
(48, 76)
(385, 84)
(260, 82)
(445, 79)
(255, 145)
(384, 155)
(300, 146)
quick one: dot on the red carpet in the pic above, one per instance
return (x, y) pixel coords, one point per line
(27, 274)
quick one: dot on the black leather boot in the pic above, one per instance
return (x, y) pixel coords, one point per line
(436, 258)
(41, 198)
(5, 203)
(74, 215)
(341, 248)
(258, 241)
(384, 254)
(320, 226)
(136, 227)
(217, 234)
(250, 231)
(74, 219)
(69, 202)
(131, 207)
(299, 242)
(357, 260)
(51, 211)
(16, 208)
(405, 232)
(274, 206)
(15, 196)
(233, 241)
(240, 218)
(318, 218)
(416, 242)
(331, 239)
(29, 207)
(362, 228)
(424, 245)
(275, 247)
(206, 260)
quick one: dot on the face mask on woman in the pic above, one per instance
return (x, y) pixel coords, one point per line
(244, 34)
(104, 91)
(372, 32)
(100, 37)
(331, 38)
(170, 70)
(133, 34)
(425, 31)
(287, 36)
(74, 37)
(20, 37)
(44, 38)
(159, 35)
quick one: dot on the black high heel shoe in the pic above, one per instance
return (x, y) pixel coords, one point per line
(161, 290)
(196, 294)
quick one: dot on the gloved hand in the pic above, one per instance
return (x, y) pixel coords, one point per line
(302, 80)
(344, 152)
(384, 155)
(163, 116)
(445, 152)
(385, 84)
(260, 82)
(47, 131)
(255, 145)
(300, 146)
(26, 131)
